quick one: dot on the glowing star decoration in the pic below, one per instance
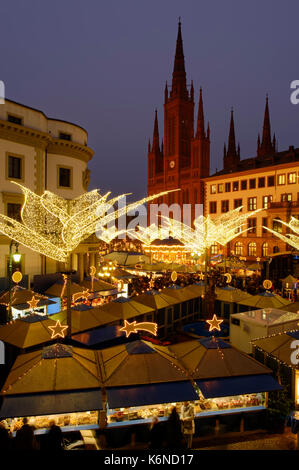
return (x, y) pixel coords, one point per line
(208, 231)
(33, 303)
(290, 238)
(214, 323)
(151, 284)
(267, 284)
(54, 226)
(228, 277)
(201, 276)
(17, 277)
(134, 327)
(81, 295)
(58, 330)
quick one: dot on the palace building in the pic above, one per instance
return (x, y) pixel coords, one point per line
(41, 154)
(269, 180)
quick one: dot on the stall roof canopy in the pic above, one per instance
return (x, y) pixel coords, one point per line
(230, 386)
(139, 363)
(21, 296)
(156, 300)
(151, 394)
(59, 288)
(84, 319)
(184, 293)
(265, 300)
(231, 294)
(99, 335)
(55, 368)
(126, 258)
(28, 331)
(51, 403)
(97, 285)
(279, 346)
(125, 308)
(213, 358)
(266, 316)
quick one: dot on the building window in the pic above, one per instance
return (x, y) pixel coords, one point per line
(239, 249)
(213, 207)
(265, 249)
(252, 249)
(292, 177)
(271, 180)
(195, 196)
(225, 206)
(252, 183)
(214, 249)
(64, 177)
(65, 136)
(252, 225)
(237, 203)
(227, 187)
(220, 188)
(244, 184)
(286, 197)
(275, 249)
(15, 167)
(261, 182)
(252, 203)
(15, 119)
(277, 225)
(236, 186)
(213, 188)
(264, 224)
(14, 211)
(267, 201)
(281, 179)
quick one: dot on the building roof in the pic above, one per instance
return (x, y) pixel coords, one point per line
(266, 316)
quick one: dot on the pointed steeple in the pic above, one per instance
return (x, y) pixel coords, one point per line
(156, 145)
(266, 146)
(192, 91)
(231, 149)
(166, 93)
(179, 87)
(200, 130)
(224, 151)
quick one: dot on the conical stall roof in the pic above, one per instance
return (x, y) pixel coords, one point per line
(231, 294)
(59, 289)
(28, 331)
(279, 346)
(156, 299)
(54, 368)
(290, 279)
(265, 300)
(84, 318)
(125, 308)
(139, 363)
(184, 293)
(211, 357)
(97, 285)
(21, 296)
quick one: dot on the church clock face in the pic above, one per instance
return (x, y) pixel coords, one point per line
(172, 164)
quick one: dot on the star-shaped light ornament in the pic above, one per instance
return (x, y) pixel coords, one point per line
(33, 303)
(214, 323)
(58, 330)
(134, 327)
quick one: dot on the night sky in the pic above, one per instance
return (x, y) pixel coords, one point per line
(103, 65)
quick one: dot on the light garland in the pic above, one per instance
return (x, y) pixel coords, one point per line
(289, 238)
(54, 226)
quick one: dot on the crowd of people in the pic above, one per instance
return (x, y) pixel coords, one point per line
(25, 439)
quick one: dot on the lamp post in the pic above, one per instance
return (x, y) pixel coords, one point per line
(16, 257)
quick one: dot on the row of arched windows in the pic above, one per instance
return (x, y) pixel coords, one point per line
(251, 249)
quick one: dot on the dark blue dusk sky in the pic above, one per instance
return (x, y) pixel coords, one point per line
(103, 65)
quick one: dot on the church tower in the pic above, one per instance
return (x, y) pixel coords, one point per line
(266, 147)
(231, 156)
(185, 157)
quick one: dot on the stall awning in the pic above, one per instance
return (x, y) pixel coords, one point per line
(122, 397)
(230, 386)
(44, 404)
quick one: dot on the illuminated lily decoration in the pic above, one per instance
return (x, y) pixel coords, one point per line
(289, 238)
(54, 226)
(148, 234)
(208, 231)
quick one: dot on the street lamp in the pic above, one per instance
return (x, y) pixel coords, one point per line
(16, 257)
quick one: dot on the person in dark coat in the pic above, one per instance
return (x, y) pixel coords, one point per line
(25, 439)
(156, 434)
(174, 436)
(5, 439)
(54, 437)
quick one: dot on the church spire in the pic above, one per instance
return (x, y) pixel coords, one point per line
(179, 87)
(231, 149)
(266, 146)
(200, 130)
(156, 145)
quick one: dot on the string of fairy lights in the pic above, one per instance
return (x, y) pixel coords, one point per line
(290, 238)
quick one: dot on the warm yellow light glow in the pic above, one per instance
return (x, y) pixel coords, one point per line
(17, 277)
(33, 302)
(54, 226)
(290, 238)
(214, 323)
(81, 295)
(228, 277)
(267, 284)
(134, 327)
(58, 330)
